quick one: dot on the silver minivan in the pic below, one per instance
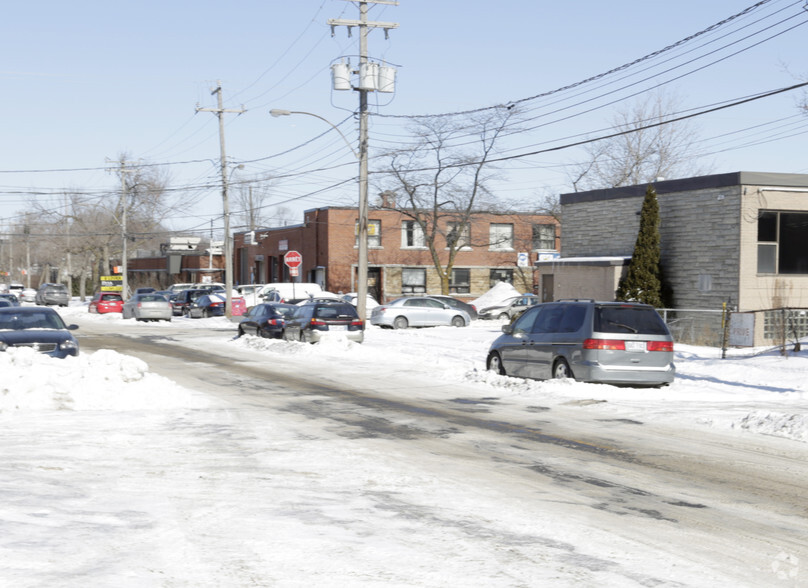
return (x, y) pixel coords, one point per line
(622, 343)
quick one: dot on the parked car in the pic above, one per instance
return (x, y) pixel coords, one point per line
(147, 307)
(12, 299)
(509, 308)
(37, 327)
(179, 287)
(104, 302)
(470, 309)
(418, 311)
(182, 302)
(55, 294)
(607, 342)
(28, 295)
(290, 292)
(266, 320)
(310, 322)
(145, 290)
(16, 288)
(209, 305)
(353, 297)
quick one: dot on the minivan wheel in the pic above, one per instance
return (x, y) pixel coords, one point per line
(494, 364)
(458, 321)
(400, 323)
(561, 369)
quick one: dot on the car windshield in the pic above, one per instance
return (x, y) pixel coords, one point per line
(32, 320)
(639, 320)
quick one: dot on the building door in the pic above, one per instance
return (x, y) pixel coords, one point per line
(547, 284)
(375, 283)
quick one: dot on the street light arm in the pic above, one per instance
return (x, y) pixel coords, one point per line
(276, 112)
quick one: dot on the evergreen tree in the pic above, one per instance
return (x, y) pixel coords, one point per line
(642, 282)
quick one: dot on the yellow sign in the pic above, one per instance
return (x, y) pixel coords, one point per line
(111, 283)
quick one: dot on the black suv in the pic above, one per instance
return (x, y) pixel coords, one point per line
(314, 320)
(182, 303)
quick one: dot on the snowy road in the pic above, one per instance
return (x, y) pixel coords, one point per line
(443, 485)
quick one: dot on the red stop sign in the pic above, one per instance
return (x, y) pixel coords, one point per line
(293, 259)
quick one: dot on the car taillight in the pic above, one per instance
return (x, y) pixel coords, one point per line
(317, 323)
(275, 322)
(612, 344)
(216, 303)
(660, 346)
(358, 323)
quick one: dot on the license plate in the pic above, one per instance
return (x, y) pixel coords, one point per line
(635, 345)
(337, 328)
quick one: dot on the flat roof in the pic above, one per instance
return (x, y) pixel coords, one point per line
(690, 184)
(604, 261)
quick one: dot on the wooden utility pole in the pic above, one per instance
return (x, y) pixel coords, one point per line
(228, 255)
(364, 26)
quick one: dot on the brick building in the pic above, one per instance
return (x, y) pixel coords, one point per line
(398, 261)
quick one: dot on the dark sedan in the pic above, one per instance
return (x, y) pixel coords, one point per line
(313, 321)
(470, 309)
(266, 320)
(11, 299)
(38, 327)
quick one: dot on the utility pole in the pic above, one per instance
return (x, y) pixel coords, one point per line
(364, 27)
(124, 237)
(228, 255)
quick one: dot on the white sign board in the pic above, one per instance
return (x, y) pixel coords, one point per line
(742, 329)
(522, 259)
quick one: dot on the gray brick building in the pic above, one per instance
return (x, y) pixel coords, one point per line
(739, 237)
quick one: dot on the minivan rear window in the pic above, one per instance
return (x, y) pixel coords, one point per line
(629, 319)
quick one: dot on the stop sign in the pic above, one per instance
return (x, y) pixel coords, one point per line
(293, 259)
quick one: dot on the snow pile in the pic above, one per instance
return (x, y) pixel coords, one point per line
(496, 295)
(104, 380)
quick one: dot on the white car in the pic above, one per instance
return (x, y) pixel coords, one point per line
(418, 311)
(28, 295)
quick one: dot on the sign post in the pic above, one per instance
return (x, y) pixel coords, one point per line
(293, 260)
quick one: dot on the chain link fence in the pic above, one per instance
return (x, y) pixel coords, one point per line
(782, 327)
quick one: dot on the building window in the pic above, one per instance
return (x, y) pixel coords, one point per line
(374, 233)
(413, 281)
(501, 237)
(460, 281)
(458, 235)
(500, 275)
(412, 235)
(781, 243)
(544, 237)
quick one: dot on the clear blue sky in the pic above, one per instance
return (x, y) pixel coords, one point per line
(84, 82)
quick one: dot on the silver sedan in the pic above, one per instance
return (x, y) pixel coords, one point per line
(418, 311)
(148, 307)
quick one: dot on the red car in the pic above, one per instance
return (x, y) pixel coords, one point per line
(106, 302)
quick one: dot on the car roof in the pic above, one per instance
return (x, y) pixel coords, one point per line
(27, 309)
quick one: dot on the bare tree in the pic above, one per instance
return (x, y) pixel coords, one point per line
(84, 234)
(251, 205)
(641, 153)
(441, 182)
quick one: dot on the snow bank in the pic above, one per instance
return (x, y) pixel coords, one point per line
(104, 380)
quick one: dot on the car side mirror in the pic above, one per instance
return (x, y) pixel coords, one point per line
(507, 329)
(72, 327)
